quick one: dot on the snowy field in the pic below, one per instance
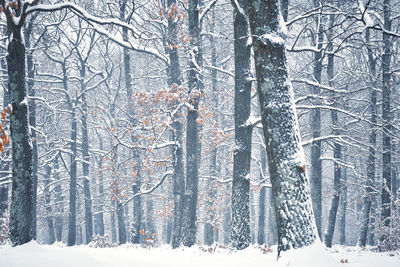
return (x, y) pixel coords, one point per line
(34, 255)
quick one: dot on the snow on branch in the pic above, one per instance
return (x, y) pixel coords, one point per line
(82, 13)
(151, 190)
(221, 70)
(206, 9)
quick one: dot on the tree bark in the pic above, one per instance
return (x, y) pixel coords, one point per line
(290, 185)
(263, 192)
(72, 183)
(369, 194)
(209, 229)
(189, 219)
(85, 162)
(59, 203)
(240, 230)
(386, 136)
(100, 214)
(316, 164)
(174, 82)
(22, 191)
(337, 147)
(343, 209)
(49, 211)
(32, 121)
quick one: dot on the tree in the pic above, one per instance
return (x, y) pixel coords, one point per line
(192, 130)
(369, 194)
(240, 230)
(337, 147)
(294, 216)
(22, 191)
(316, 149)
(386, 117)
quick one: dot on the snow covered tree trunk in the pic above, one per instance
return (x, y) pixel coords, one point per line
(72, 183)
(386, 135)
(343, 209)
(272, 237)
(117, 204)
(179, 185)
(112, 219)
(192, 130)
(150, 227)
(59, 203)
(210, 208)
(3, 200)
(209, 229)
(290, 185)
(263, 192)
(315, 118)
(240, 231)
(369, 194)
(121, 223)
(100, 214)
(32, 121)
(174, 81)
(227, 220)
(137, 202)
(337, 148)
(85, 162)
(49, 211)
(137, 213)
(252, 218)
(22, 194)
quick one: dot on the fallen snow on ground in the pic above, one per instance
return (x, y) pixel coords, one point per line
(34, 255)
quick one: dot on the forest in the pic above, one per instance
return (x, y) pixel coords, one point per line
(268, 126)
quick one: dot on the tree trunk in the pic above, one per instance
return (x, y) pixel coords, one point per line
(316, 164)
(59, 205)
(285, 9)
(22, 191)
(343, 209)
(137, 202)
(121, 223)
(192, 131)
(32, 122)
(227, 220)
(240, 231)
(273, 231)
(112, 219)
(72, 183)
(49, 211)
(369, 194)
(209, 229)
(290, 185)
(174, 81)
(262, 207)
(151, 230)
(100, 214)
(386, 136)
(337, 147)
(85, 162)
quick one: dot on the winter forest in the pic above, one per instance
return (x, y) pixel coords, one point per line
(235, 132)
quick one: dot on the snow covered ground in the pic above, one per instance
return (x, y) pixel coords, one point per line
(34, 255)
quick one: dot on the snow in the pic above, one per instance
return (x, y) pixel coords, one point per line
(35, 255)
(273, 38)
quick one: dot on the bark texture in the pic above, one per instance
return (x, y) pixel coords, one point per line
(22, 191)
(240, 230)
(290, 185)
